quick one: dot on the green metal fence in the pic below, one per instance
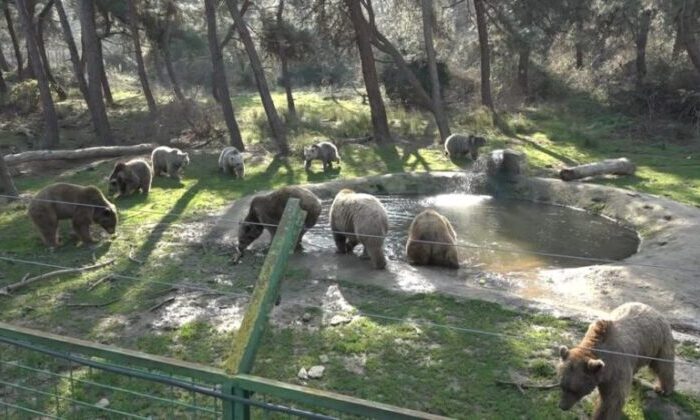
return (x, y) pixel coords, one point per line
(43, 375)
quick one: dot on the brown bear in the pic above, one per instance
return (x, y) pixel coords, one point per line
(127, 178)
(358, 218)
(432, 227)
(84, 205)
(170, 160)
(324, 151)
(267, 210)
(598, 361)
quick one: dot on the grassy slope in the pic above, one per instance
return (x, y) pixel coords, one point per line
(433, 369)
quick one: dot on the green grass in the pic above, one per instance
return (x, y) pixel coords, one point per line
(426, 368)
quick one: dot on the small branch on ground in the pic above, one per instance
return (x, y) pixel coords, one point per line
(160, 304)
(163, 292)
(26, 281)
(93, 305)
(134, 259)
(99, 281)
(523, 385)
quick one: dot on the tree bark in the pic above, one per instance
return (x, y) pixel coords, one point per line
(104, 81)
(686, 31)
(8, 187)
(291, 108)
(50, 118)
(484, 48)
(93, 63)
(72, 49)
(80, 154)
(43, 17)
(380, 125)
(278, 131)
(3, 85)
(143, 77)
(578, 43)
(4, 65)
(165, 48)
(620, 166)
(219, 77)
(641, 41)
(524, 70)
(438, 109)
(15, 42)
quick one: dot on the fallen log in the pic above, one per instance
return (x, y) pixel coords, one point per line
(621, 166)
(86, 153)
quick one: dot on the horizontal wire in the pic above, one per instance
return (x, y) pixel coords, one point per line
(110, 387)
(467, 246)
(29, 410)
(132, 278)
(488, 333)
(71, 400)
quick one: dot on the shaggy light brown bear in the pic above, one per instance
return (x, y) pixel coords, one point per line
(127, 178)
(633, 328)
(324, 151)
(358, 218)
(56, 202)
(169, 160)
(461, 145)
(430, 226)
(267, 210)
(231, 162)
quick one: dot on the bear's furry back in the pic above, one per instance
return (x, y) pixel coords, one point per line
(269, 208)
(632, 328)
(58, 198)
(431, 226)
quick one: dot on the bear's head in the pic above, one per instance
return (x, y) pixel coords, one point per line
(312, 152)
(579, 374)
(250, 228)
(114, 185)
(106, 217)
(475, 143)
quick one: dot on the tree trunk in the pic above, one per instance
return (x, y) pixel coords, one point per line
(620, 166)
(369, 72)
(6, 184)
(4, 65)
(3, 85)
(43, 17)
(94, 69)
(80, 154)
(484, 48)
(15, 42)
(291, 109)
(103, 75)
(143, 77)
(73, 50)
(686, 31)
(219, 77)
(165, 48)
(578, 43)
(641, 41)
(278, 131)
(50, 117)
(524, 70)
(438, 109)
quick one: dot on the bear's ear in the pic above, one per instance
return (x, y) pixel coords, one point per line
(563, 352)
(594, 365)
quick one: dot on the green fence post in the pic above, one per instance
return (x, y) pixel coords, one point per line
(228, 388)
(247, 339)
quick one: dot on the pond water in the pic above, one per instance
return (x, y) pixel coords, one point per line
(525, 227)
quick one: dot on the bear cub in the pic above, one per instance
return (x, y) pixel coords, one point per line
(422, 247)
(461, 145)
(231, 162)
(169, 160)
(324, 151)
(130, 177)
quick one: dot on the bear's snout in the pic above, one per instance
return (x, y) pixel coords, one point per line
(567, 401)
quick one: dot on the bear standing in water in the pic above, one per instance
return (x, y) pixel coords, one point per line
(266, 212)
(84, 205)
(428, 227)
(358, 218)
(632, 329)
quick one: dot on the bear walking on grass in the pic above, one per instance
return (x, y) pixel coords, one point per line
(324, 151)
(461, 145)
(632, 329)
(266, 212)
(431, 241)
(358, 218)
(169, 160)
(127, 178)
(231, 162)
(84, 205)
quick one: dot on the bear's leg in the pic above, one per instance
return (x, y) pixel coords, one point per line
(352, 243)
(340, 243)
(612, 398)
(172, 172)
(417, 254)
(82, 229)
(664, 372)
(451, 258)
(307, 164)
(299, 247)
(376, 255)
(48, 228)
